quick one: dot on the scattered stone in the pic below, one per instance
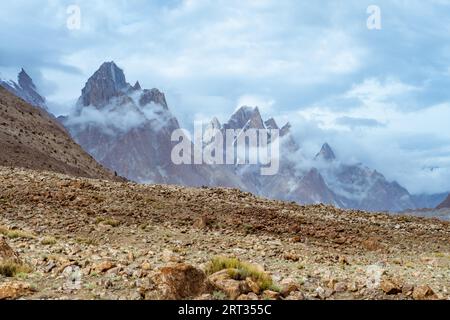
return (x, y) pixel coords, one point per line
(288, 286)
(407, 289)
(323, 293)
(49, 267)
(296, 295)
(15, 290)
(202, 222)
(372, 244)
(146, 266)
(291, 256)
(252, 296)
(340, 287)
(424, 293)
(103, 266)
(222, 281)
(271, 295)
(254, 287)
(390, 287)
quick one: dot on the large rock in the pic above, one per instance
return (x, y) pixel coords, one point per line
(8, 254)
(103, 266)
(390, 286)
(288, 286)
(14, 290)
(424, 293)
(223, 281)
(181, 281)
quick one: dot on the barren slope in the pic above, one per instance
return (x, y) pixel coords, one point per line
(30, 138)
(331, 253)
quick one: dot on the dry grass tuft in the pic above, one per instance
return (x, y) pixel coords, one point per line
(240, 271)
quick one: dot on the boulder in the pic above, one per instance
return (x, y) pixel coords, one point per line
(14, 290)
(254, 287)
(390, 286)
(181, 281)
(288, 285)
(103, 266)
(202, 222)
(424, 293)
(223, 281)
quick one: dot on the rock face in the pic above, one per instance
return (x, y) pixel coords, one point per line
(31, 138)
(25, 89)
(128, 129)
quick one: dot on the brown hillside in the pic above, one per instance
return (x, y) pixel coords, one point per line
(91, 239)
(31, 138)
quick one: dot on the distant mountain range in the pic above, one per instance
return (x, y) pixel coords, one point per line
(128, 129)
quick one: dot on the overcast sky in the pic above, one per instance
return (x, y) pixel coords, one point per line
(377, 96)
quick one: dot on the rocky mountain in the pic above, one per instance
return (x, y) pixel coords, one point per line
(25, 89)
(31, 138)
(445, 204)
(128, 129)
(323, 179)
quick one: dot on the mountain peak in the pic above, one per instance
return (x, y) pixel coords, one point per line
(326, 153)
(246, 118)
(137, 86)
(111, 71)
(107, 82)
(25, 89)
(25, 80)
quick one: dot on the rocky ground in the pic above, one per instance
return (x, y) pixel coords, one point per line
(74, 238)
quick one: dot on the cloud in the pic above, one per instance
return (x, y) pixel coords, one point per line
(358, 122)
(114, 120)
(379, 96)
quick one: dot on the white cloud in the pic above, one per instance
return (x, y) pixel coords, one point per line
(317, 61)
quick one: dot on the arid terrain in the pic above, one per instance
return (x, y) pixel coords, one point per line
(32, 138)
(79, 238)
